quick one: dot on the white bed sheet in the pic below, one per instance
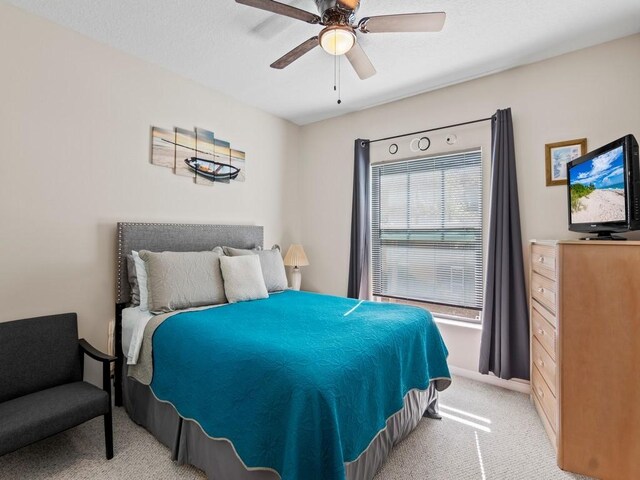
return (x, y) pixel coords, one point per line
(133, 322)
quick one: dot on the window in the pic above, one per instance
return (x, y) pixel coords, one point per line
(426, 232)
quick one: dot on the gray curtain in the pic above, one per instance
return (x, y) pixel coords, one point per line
(504, 348)
(360, 224)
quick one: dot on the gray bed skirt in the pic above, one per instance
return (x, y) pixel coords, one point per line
(217, 458)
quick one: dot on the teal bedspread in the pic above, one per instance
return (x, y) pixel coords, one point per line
(300, 382)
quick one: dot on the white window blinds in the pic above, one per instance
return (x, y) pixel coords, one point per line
(426, 229)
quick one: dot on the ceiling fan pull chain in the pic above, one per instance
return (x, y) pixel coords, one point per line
(339, 83)
(335, 73)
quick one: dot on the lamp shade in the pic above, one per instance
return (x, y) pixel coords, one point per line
(296, 257)
(337, 39)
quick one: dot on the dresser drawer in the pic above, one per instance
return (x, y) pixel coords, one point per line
(544, 291)
(544, 313)
(545, 421)
(543, 331)
(544, 396)
(543, 260)
(545, 364)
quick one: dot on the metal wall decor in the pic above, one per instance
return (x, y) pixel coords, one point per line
(431, 130)
(197, 154)
(421, 144)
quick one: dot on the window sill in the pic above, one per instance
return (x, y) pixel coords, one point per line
(457, 323)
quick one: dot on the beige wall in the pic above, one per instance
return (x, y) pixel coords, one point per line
(74, 137)
(593, 93)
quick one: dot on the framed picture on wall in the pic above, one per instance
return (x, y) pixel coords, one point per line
(558, 154)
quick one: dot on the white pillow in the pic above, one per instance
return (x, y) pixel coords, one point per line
(141, 274)
(243, 278)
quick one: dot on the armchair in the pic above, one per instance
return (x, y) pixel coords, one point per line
(42, 391)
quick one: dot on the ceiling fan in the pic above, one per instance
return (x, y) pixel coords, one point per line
(339, 35)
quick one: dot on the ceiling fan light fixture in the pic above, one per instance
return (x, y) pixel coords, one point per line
(337, 40)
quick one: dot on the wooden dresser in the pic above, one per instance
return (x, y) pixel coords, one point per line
(585, 353)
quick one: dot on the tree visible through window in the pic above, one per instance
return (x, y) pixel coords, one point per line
(426, 228)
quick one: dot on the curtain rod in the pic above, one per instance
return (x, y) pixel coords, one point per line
(430, 130)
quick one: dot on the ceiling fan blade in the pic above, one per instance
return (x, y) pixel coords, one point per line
(404, 22)
(290, 57)
(360, 62)
(282, 9)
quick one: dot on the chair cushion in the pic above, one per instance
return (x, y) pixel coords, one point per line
(30, 418)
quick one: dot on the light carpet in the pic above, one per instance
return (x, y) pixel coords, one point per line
(488, 433)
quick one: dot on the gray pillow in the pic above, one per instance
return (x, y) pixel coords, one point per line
(243, 278)
(180, 280)
(133, 281)
(275, 276)
(236, 252)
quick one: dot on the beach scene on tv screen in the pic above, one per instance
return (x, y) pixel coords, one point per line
(597, 189)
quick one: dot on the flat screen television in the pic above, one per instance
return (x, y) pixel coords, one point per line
(604, 190)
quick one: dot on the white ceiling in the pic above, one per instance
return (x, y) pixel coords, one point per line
(229, 47)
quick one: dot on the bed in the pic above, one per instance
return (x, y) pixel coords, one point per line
(298, 385)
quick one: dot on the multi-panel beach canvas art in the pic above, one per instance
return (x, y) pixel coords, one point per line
(185, 147)
(201, 161)
(197, 154)
(237, 160)
(223, 158)
(163, 145)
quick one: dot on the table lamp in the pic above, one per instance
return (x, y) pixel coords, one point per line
(295, 258)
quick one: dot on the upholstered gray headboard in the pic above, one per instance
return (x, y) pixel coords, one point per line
(176, 237)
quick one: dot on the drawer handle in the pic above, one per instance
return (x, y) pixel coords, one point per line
(540, 290)
(541, 259)
(540, 392)
(541, 362)
(540, 331)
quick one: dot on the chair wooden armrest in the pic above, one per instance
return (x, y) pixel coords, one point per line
(94, 353)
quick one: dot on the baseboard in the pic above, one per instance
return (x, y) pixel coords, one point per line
(517, 385)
